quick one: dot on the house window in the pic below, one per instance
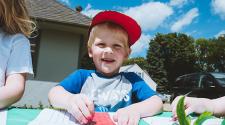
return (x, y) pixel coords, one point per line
(35, 43)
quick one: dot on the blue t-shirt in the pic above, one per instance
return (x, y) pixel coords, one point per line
(108, 93)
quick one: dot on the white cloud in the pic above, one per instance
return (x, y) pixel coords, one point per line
(150, 15)
(140, 48)
(88, 11)
(219, 8)
(185, 20)
(178, 3)
(88, 7)
(67, 2)
(220, 33)
(194, 33)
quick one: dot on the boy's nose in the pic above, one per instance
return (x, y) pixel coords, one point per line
(108, 50)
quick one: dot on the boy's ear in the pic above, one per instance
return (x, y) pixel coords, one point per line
(89, 52)
(128, 52)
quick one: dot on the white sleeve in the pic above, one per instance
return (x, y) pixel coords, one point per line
(20, 56)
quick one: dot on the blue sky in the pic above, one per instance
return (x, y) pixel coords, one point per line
(197, 18)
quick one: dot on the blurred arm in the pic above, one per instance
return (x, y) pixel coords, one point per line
(13, 89)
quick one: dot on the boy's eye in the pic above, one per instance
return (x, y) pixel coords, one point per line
(101, 45)
(117, 46)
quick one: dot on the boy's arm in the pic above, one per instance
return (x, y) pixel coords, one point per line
(218, 106)
(76, 104)
(131, 114)
(13, 89)
(59, 97)
(148, 107)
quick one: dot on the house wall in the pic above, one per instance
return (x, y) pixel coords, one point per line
(58, 55)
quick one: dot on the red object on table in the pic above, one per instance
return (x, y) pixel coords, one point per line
(101, 118)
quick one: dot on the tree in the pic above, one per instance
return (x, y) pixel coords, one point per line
(155, 66)
(202, 51)
(211, 54)
(216, 57)
(140, 61)
(170, 56)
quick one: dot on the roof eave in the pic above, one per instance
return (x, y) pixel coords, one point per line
(62, 22)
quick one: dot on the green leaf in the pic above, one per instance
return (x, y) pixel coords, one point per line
(182, 118)
(203, 117)
(223, 122)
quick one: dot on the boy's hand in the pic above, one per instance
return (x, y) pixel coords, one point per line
(126, 116)
(81, 108)
(192, 104)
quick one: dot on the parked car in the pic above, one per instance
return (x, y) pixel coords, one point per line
(205, 85)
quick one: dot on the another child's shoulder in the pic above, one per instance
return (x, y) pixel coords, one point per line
(15, 38)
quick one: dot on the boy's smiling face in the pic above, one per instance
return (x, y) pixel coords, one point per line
(108, 50)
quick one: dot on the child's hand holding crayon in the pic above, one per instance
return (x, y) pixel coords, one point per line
(81, 107)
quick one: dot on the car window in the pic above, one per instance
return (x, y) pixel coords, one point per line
(192, 81)
(206, 81)
(180, 81)
(220, 77)
(221, 81)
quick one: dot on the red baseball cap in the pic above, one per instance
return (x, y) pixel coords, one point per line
(127, 23)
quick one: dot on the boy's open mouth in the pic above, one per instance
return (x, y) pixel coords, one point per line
(107, 60)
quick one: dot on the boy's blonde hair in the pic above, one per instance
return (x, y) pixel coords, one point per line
(116, 29)
(14, 17)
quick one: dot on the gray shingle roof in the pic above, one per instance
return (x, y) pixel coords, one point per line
(52, 10)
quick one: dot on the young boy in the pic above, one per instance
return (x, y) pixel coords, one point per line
(107, 90)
